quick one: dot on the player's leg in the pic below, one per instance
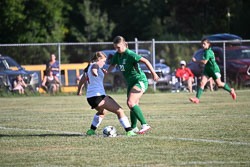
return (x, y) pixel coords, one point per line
(108, 103)
(225, 87)
(94, 102)
(111, 105)
(133, 116)
(96, 120)
(203, 82)
(133, 100)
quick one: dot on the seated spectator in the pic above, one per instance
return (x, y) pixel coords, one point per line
(185, 75)
(50, 82)
(19, 85)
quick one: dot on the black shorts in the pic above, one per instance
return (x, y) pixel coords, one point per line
(94, 101)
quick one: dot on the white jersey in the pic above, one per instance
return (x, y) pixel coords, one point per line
(95, 86)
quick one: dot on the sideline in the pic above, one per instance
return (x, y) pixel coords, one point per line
(153, 137)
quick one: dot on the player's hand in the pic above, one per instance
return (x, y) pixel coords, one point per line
(104, 71)
(194, 59)
(155, 77)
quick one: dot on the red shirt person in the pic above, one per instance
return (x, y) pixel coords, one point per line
(185, 74)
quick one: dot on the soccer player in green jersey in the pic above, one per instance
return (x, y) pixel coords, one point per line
(211, 69)
(137, 84)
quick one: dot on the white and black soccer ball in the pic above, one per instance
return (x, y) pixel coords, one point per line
(109, 131)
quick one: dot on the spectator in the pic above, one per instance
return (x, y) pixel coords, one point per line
(211, 84)
(185, 75)
(50, 82)
(19, 84)
(53, 65)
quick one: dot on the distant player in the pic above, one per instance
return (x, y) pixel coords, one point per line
(211, 69)
(137, 84)
(97, 97)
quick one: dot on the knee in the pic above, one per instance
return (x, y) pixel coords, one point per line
(120, 112)
(131, 103)
(202, 84)
(221, 85)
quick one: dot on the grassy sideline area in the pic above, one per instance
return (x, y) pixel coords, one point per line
(50, 131)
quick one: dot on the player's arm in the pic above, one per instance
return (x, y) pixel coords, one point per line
(82, 81)
(110, 68)
(203, 61)
(200, 61)
(150, 67)
(94, 70)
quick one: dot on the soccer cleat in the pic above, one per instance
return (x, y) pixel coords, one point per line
(144, 128)
(194, 100)
(233, 93)
(90, 132)
(135, 130)
(131, 133)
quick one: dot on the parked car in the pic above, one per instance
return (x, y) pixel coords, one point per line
(237, 63)
(116, 79)
(223, 37)
(10, 69)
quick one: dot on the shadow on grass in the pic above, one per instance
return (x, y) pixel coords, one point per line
(43, 135)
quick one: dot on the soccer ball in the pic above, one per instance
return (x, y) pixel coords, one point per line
(109, 131)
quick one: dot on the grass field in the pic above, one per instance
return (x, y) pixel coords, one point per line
(50, 131)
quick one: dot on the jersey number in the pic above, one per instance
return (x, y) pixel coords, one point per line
(122, 68)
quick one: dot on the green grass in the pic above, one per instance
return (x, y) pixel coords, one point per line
(49, 131)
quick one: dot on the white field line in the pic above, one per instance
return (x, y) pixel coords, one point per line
(196, 163)
(214, 162)
(154, 137)
(199, 140)
(40, 130)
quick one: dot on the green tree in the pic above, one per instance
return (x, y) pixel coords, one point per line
(88, 24)
(11, 20)
(91, 24)
(31, 21)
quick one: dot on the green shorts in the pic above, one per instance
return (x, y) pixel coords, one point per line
(143, 85)
(213, 74)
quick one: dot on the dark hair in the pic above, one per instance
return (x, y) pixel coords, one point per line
(48, 71)
(207, 41)
(120, 39)
(97, 56)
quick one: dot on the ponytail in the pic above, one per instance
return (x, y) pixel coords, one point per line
(97, 55)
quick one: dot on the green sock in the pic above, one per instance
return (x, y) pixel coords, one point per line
(226, 87)
(137, 111)
(199, 92)
(133, 119)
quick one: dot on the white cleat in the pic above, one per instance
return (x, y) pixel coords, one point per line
(136, 130)
(144, 128)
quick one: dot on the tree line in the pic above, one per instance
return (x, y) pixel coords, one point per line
(42, 21)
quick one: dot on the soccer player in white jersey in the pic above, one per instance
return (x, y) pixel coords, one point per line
(97, 97)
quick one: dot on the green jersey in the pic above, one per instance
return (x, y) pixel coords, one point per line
(128, 64)
(211, 65)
